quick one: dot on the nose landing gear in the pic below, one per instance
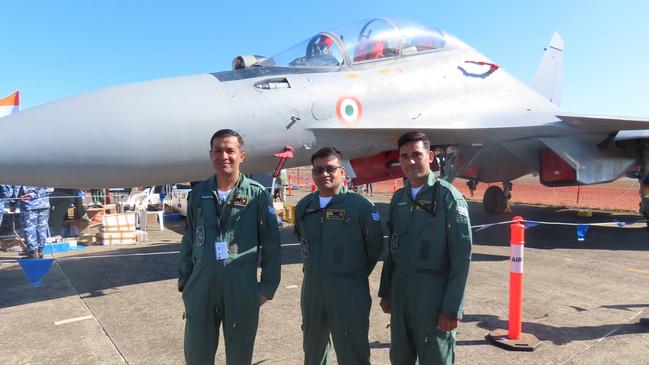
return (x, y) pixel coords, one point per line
(496, 200)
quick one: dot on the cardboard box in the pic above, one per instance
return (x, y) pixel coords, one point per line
(76, 227)
(88, 240)
(116, 238)
(289, 214)
(121, 222)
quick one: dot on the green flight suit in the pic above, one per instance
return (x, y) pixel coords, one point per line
(426, 270)
(644, 208)
(226, 290)
(341, 244)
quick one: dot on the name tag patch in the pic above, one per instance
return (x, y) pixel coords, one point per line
(337, 214)
(207, 197)
(240, 201)
(426, 203)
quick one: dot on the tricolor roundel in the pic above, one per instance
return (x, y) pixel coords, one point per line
(349, 110)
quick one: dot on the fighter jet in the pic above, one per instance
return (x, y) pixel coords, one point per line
(359, 87)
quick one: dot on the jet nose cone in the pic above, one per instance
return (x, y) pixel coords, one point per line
(119, 136)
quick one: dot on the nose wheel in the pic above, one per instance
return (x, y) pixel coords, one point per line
(496, 200)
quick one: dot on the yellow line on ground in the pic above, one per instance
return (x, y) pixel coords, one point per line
(639, 271)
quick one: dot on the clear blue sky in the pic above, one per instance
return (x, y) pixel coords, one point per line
(53, 49)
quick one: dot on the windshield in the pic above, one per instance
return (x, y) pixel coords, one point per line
(358, 42)
(317, 51)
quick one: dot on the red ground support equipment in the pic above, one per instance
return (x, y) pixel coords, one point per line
(513, 338)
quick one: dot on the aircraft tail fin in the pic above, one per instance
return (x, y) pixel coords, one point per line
(549, 75)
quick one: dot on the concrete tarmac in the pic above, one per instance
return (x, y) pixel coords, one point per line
(119, 304)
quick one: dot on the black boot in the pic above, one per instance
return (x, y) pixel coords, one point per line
(644, 321)
(32, 254)
(40, 252)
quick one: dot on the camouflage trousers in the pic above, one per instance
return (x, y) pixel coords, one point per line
(35, 227)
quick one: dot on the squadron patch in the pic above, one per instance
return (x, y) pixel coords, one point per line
(337, 214)
(240, 201)
(200, 235)
(376, 217)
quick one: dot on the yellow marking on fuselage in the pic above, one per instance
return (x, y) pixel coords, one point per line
(351, 75)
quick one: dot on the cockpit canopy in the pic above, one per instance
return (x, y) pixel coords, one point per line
(359, 42)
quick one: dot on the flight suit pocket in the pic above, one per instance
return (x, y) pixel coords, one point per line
(347, 260)
(424, 249)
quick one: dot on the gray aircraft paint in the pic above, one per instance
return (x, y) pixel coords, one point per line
(158, 131)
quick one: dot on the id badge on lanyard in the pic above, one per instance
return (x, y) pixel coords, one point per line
(221, 249)
(221, 245)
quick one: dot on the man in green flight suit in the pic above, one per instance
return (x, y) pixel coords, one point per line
(427, 265)
(644, 211)
(231, 229)
(341, 236)
(644, 197)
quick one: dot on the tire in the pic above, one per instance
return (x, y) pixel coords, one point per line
(494, 200)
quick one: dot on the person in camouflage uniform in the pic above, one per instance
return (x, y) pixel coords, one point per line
(34, 207)
(6, 192)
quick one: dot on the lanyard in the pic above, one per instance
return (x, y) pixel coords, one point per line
(223, 210)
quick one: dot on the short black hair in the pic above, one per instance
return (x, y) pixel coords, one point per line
(414, 136)
(223, 133)
(326, 152)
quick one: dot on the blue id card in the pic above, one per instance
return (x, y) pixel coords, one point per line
(221, 248)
